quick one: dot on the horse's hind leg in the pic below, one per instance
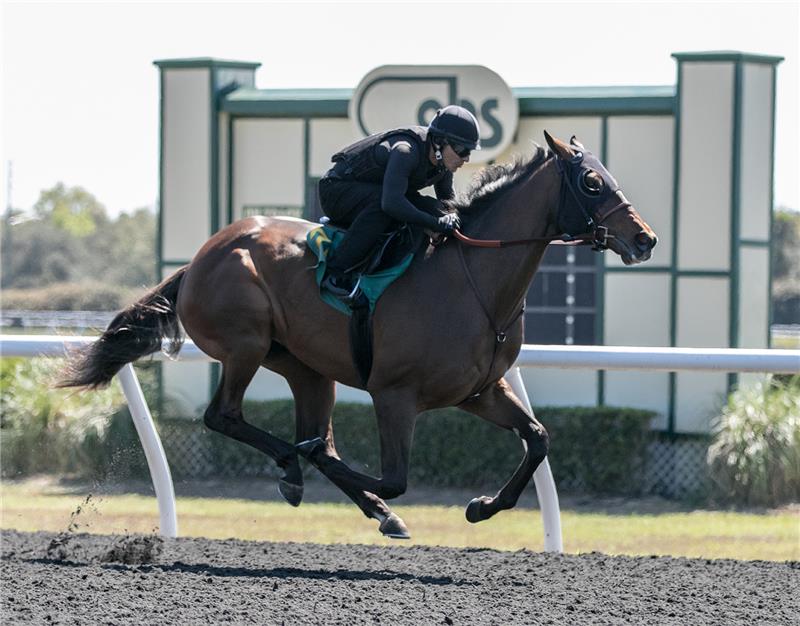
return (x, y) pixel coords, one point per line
(499, 405)
(224, 415)
(314, 396)
(396, 416)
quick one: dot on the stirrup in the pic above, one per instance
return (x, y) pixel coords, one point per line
(342, 293)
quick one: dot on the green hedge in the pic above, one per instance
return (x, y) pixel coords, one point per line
(599, 450)
(83, 296)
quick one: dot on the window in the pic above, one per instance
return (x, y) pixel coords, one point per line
(560, 306)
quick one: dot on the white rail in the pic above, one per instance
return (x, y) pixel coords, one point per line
(661, 359)
(575, 357)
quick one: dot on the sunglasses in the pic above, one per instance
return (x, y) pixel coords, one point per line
(461, 150)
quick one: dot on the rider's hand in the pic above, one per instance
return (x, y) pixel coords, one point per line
(448, 223)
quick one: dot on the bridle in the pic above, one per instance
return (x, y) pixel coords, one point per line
(573, 181)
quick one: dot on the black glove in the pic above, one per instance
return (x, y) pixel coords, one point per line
(447, 223)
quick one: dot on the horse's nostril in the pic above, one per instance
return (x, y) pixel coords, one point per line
(645, 241)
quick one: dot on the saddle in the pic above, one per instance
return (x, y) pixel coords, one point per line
(388, 260)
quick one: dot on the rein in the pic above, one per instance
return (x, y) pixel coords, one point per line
(597, 238)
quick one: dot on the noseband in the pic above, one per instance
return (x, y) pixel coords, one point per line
(572, 175)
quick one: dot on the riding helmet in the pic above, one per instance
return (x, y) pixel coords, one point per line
(457, 125)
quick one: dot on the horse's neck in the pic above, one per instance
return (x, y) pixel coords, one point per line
(504, 275)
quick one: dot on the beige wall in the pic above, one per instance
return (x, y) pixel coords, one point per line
(703, 322)
(185, 200)
(187, 386)
(560, 387)
(755, 179)
(640, 156)
(328, 136)
(637, 309)
(268, 163)
(699, 396)
(703, 312)
(706, 145)
(224, 174)
(637, 314)
(753, 297)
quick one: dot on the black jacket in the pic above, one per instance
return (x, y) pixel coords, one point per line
(398, 160)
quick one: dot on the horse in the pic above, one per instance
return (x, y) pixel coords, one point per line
(444, 333)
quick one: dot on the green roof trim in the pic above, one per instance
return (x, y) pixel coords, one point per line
(287, 102)
(601, 91)
(727, 55)
(616, 100)
(653, 100)
(210, 62)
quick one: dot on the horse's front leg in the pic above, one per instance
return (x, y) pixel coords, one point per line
(500, 406)
(396, 414)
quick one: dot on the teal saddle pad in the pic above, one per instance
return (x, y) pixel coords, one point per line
(323, 240)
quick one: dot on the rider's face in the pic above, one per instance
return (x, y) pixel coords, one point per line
(451, 160)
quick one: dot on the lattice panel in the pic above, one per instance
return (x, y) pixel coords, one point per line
(673, 468)
(188, 449)
(676, 469)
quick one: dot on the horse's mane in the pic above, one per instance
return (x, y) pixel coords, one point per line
(493, 181)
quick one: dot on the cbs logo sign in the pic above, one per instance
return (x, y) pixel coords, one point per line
(403, 95)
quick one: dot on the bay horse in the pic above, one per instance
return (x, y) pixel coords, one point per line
(444, 334)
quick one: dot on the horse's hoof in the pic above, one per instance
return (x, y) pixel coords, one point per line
(308, 447)
(394, 527)
(474, 513)
(293, 494)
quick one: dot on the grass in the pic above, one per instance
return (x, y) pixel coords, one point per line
(774, 536)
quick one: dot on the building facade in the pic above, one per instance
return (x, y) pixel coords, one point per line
(695, 158)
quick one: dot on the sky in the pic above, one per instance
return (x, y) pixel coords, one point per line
(80, 92)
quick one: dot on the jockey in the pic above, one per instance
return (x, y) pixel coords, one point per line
(374, 185)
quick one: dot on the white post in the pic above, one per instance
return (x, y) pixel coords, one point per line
(542, 478)
(153, 451)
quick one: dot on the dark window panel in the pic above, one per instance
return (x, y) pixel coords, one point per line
(535, 295)
(554, 255)
(556, 294)
(545, 328)
(584, 290)
(584, 255)
(584, 330)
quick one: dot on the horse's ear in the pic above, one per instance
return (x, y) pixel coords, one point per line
(559, 147)
(574, 142)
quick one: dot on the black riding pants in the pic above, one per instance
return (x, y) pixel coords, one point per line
(357, 206)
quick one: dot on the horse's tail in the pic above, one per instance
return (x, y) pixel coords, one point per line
(133, 333)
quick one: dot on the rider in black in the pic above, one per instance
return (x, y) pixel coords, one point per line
(375, 182)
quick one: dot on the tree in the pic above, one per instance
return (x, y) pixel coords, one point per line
(70, 238)
(786, 267)
(72, 209)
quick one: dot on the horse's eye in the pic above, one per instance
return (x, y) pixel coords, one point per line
(592, 183)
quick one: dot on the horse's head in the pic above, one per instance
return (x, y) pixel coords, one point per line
(591, 201)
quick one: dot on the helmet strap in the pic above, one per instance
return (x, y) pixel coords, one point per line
(437, 152)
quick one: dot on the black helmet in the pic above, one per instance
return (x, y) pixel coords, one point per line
(457, 125)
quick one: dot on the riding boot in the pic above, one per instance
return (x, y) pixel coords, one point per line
(338, 283)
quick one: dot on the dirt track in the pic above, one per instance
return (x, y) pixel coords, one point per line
(84, 579)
